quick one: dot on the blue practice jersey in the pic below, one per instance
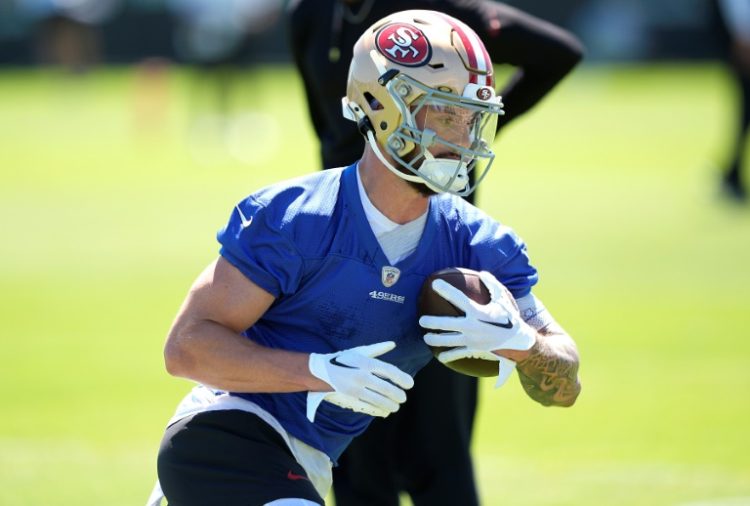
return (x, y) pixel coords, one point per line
(308, 242)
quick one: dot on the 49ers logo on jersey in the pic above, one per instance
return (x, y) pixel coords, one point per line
(404, 44)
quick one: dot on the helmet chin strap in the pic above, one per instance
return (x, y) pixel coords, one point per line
(353, 112)
(449, 173)
(439, 170)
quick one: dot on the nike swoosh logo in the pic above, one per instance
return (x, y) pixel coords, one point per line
(295, 477)
(506, 325)
(245, 222)
(334, 361)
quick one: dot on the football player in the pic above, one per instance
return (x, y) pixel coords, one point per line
(322, 33)
(305, 327)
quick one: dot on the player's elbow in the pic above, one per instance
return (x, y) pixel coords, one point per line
(563, 397)
(177, 358)
(569, 391)
(565, 389)
(570, 396)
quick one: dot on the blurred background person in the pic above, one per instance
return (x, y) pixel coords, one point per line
(68, 32)
(215, 37)
(734, 22)
(218, 40)
(434, 428)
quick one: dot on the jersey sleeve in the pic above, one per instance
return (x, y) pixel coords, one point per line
(515, 270)
(499, 250)
(253, 242)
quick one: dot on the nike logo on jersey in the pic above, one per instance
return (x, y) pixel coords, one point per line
(294, 477)
(245, 222)
(506, 325)
(334, 361)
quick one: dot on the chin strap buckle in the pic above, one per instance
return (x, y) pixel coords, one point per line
(353, 112)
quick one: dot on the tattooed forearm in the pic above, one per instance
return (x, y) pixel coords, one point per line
(550, 373)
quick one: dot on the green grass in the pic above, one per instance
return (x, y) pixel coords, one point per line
(111, 191)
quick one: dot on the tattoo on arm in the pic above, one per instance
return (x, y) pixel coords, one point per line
(549, 375)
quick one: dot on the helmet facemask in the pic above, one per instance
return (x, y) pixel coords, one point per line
(442, 136)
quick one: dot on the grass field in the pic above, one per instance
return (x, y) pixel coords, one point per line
(113, 184)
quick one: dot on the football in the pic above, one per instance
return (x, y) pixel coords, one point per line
(430, 302)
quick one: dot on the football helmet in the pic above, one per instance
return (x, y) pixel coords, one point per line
(421, 88)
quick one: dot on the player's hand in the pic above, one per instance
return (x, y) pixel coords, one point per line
(359, 381)
(483, 330)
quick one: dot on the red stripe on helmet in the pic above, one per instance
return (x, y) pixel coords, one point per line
(489, 77)
(471, 40)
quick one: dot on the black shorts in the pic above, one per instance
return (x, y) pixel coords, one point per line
(230, 458)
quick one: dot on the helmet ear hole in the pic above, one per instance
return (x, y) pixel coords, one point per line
(373, 102)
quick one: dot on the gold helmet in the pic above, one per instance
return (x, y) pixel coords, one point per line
(425, 61)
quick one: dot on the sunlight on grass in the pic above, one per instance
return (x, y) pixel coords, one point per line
(113, 188)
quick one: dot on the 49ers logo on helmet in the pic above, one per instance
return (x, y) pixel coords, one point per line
(484, 93)
(404, 44)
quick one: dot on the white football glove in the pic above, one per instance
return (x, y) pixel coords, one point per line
(360, 382)
(484, 328)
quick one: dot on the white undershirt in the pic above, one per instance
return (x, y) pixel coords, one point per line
(396, 241)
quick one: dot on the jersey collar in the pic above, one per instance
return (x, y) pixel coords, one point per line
(372, 252)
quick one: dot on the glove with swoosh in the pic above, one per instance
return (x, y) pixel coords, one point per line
(360, 382)
(482, 330)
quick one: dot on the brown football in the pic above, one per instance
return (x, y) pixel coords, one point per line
(430, 303)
